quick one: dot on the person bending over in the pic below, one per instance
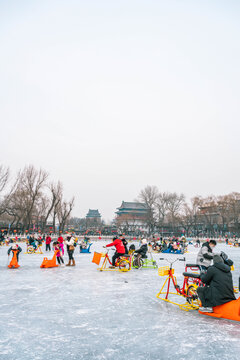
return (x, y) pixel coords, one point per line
(15, 247)
(219, 285)
(120, 249)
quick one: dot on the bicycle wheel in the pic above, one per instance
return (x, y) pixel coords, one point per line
(124, 265)
(138, 263)
(30, 250)
(192, 295)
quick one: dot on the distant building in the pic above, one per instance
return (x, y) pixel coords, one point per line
(132, 216)
(93, 214)
(93, 219)
(133, 209)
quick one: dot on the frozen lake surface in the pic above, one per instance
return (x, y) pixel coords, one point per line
(81, 313)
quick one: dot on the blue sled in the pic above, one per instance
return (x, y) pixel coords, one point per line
(170, 251)
(87, 250)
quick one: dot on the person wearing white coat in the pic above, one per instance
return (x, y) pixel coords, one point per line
(70, 250)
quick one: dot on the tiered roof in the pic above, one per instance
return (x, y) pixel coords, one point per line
(93, 214)
(132, 208)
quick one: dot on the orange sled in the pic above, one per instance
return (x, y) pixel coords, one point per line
(14, 262)
(49, 263)
(230, 310)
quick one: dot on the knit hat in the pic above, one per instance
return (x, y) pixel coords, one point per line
(217, 259)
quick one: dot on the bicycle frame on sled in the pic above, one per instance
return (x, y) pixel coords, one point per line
(189, 289)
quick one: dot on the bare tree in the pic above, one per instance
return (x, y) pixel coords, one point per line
(175, 203)
(56, 195)
(161, 204)
(149, 196)
(187, 217)
(234, 210)
(32, 182)
(4, 181)
(4, 177)
(64, 210)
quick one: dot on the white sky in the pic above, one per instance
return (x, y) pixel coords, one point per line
(112, 96)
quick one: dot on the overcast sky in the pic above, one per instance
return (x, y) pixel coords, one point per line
(111, 96)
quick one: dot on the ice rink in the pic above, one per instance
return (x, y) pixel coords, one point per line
(80, 313)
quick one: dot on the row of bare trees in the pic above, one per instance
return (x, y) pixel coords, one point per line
(31, 200)
(208, 215)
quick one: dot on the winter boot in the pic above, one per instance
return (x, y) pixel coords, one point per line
(73, 262)
(69, 263)
(206, 309)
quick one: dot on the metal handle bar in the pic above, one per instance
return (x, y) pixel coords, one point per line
(172, 262)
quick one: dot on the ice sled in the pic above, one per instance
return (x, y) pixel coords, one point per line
(170, 251)
(49, 263)
(230, 311)
(14, 263)
(87, 250)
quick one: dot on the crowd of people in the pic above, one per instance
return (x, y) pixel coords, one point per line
(215, 268)
(171, 244)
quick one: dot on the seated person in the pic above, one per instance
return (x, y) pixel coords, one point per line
(120, 249)
(83, 244)
(205, 254)
(15, 247)
(175, 247)
(154, 245)
(142, 251)
(219, 285)
(86, 240)
(31, 242)
(164, 246)
(170, 245)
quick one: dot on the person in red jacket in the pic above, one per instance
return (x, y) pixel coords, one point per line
(48, 242)
(120, 249)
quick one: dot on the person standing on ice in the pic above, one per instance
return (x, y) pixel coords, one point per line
(205, 254)
(70, 250)
(48, 242)
(120, 249)
(219, 285)
(60, 241)
(57, 249)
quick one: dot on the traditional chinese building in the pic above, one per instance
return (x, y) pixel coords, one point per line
(93, 214)
(93, 219)
(132, 216)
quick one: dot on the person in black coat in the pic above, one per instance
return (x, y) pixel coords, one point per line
(125, 243)
(219, 285)
(142, 251)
